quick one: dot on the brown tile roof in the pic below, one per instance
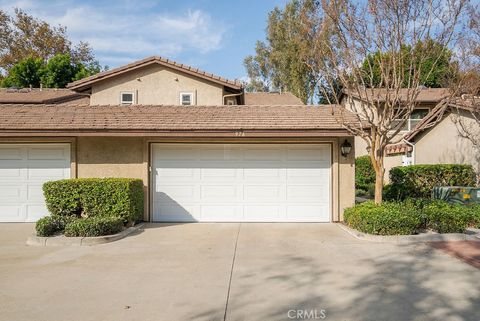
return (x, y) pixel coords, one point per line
(425, 95)
(170, 118)
(41, 96)
(86, 82)
(272, 98)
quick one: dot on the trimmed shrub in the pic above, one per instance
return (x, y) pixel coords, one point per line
(50, 225)
(364, 176)
(88, 197)
(444, 217)
(385, 219)
(417, 181)
(475, 216)
(94, 226)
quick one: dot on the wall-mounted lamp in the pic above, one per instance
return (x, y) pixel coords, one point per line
(345, 148)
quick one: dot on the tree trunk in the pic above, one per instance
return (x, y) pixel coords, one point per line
(379, 176)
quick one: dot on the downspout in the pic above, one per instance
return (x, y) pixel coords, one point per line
(230, 95)
(413, 149)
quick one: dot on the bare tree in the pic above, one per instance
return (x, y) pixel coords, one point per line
(377, 50)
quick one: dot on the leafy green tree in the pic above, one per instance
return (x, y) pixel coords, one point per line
(59, 71)
(23, 36)
(435, 66)
(281, 62)
(56, 73)
(25, 74)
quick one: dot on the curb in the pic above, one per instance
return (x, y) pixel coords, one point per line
(422, 238)
(62, 240)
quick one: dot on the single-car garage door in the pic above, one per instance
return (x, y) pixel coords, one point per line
(23, 170)
(241, 182)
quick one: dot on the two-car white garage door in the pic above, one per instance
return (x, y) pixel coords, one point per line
(23, 170)
(241, 182)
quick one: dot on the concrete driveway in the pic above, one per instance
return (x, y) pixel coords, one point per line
(233, 272)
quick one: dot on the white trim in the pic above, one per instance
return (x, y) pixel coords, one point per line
(409, 124)
(192, 98)
(125, 102)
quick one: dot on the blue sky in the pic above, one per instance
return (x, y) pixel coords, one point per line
(212, 35)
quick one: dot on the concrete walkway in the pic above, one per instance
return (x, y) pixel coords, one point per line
(233, 272)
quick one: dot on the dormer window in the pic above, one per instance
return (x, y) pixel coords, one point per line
(127, 98)
(186, 98)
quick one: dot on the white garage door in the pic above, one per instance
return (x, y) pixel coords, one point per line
(23, 170)
(241, 183)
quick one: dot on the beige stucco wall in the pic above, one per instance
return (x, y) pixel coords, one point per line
(443, 145)
(156, 85)
(113, 157)
(346, 178)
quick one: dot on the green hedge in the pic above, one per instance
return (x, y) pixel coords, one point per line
(417, 181)
(88, 197)
(94, 226)
(385, 219)
(364, 176)
(443, 217)
(475, 216)
(393, 218)
(50, 225)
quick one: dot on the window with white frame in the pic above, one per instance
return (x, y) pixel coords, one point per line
(127, 98)
(186, 98)
(415, 117)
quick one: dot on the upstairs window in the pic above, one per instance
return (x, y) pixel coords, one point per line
(415, 117)
(127, 98)
(186, 99)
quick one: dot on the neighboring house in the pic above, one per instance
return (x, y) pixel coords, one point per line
(199, 158)
(272, 98)
(430, 136)
(42, 96)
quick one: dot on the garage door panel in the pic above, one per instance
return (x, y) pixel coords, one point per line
(177, 153)
(166, 193)
(262, 154)
(215, 193)
(12, 192)
(36, 212)
(307, 193)
(175, 212)
(45, 173)
(175, 173)
(42, 153)
(12, 172)
(220, 212)
(258, 212)
(262, 192)
(308, 212)
(12, 213)
(11, 153)
(218, 174)
(264, 172)
(308, 154)
(35, 193)
(210, 184)
(23, 170)
(220, 153)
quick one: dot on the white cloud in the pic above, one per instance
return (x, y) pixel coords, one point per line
(122, 30)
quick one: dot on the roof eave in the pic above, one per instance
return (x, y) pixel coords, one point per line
(86, 83)
(260, 133)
